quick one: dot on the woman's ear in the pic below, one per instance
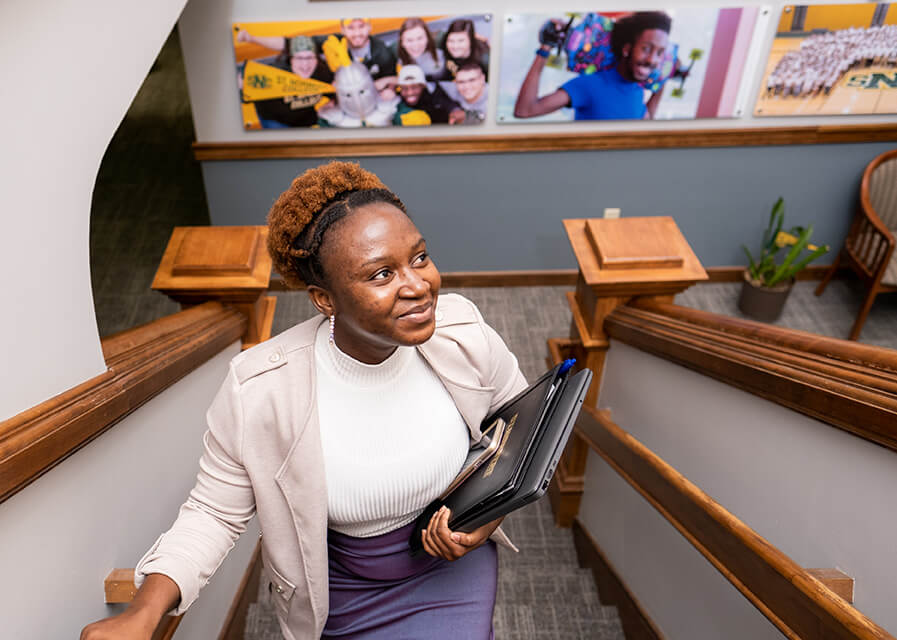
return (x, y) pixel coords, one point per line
(321, 299)
(626, 50)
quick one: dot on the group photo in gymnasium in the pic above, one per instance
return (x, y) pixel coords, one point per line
(835, 59)
(363, 72)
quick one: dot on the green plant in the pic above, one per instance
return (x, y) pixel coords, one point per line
(766, 271)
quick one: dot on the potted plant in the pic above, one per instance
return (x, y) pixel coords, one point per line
(767, 283)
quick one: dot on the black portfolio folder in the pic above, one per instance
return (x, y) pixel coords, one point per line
(537, 423)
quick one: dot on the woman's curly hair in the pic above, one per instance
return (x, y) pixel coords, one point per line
(314, 202)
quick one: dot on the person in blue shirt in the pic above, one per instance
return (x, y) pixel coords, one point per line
(639, 42)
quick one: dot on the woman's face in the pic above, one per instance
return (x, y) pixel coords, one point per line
(414, 41)
(457, 44)
(382, 286)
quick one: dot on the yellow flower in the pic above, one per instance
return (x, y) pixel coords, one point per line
(784, 238)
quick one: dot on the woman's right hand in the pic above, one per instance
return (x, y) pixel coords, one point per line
(130, 625)
(156, 595)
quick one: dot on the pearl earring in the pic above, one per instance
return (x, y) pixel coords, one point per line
(332, 326)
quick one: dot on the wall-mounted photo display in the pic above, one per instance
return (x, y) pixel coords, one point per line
(832, 59)
(623, 65)
(363, 72)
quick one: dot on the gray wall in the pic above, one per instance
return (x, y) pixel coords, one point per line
(821, 495)
(504, 211)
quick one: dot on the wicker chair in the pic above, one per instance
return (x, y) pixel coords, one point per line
(869, 247)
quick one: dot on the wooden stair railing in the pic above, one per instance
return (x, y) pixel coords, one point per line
(618, 259)
(795, 601)
(225, 264)
(842, 383)
(119, 589)
(141, 363)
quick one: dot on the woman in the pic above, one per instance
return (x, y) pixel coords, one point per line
(354, 420)
(461, 45)
(417, 46)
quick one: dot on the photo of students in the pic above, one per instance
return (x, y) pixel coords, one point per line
(367, 49)
(299, 55)
(638, 42)
(417, 47)
(345, 72)
(836, 59)
(470, 90)
(417, 99)
(357, 103)
(461, 44)
(622, 65)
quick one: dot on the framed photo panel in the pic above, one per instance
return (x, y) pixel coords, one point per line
(363, 72)
(623, 65)
(832, 59)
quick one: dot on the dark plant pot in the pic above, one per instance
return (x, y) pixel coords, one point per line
(763, 303)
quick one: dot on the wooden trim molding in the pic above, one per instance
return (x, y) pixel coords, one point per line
(793, 600)
(141, 362)
(736, 274)
(566, 141)
(847, 385)
(612, 591)
(564, 277)
(521, 278)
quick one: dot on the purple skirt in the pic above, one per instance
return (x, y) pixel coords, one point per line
(377, 590)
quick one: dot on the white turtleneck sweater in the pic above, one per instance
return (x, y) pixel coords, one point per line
(393, 439)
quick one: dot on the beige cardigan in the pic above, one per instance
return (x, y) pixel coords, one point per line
(262, 455)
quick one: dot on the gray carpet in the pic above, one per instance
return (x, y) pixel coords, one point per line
(831, 314)
(148, 183)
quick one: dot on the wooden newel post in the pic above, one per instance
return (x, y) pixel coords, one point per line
(619, 259)
(227, 264)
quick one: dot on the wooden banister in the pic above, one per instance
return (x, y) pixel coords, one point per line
(141, 362)
(847, 385)
(798, 604)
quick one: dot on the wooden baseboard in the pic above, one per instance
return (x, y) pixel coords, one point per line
(523, 278)
(566, 277)
(734, 274)
(247, 594)
(637, 625)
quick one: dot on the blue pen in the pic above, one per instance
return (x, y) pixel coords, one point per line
(566, 366)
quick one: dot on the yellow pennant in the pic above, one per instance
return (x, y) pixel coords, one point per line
(263, 82)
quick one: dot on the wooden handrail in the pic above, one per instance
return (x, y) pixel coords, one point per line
(140, 362)
(566, 141)
(847, 385)
(120, 589)
(790, 597)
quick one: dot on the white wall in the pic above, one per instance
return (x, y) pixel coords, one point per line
(102, 508)
(207, 43)
(822, 496)
(71, 71)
